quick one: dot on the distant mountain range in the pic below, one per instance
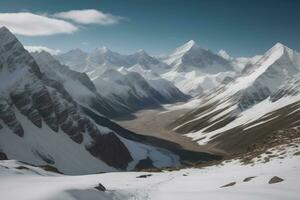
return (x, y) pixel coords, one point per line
(132, 81)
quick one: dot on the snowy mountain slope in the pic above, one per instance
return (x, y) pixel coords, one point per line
(167, 89)
(42, 123)
(116, 80)
(248, 182)
(132, 90)
(249, 107)
(195, 70)
(80, 86)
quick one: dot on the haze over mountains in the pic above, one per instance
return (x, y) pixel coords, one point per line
(187, 67)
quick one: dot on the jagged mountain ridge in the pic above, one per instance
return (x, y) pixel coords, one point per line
(42, 123)
(102, 59)
(115, 77)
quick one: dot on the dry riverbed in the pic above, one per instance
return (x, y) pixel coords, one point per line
(154, 122)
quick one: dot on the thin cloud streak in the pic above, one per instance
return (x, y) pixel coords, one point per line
(29, 24)
(89, 16)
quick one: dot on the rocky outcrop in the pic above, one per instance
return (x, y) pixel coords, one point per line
(8, 117)
(67, 119)
(23, 102)
(252, 96)
(3, 156)
(108, 147)
(275, 179)
(44, 104)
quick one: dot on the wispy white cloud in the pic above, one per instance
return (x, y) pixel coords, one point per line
(42, 48)
(29, 24)
(89, 16)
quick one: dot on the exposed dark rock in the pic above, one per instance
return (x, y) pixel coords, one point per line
(248, 179)
(229, 184)
(67, 116)
(144, 176)
(8, 117)
(145, 164)
(100, 187)
(3, 156)
(110, 149)
(44, 104)
(275, 179)
(24, 104)
(50, 169)
(22, 168)
(297, 153)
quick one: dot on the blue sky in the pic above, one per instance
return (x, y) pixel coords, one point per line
(241, 27)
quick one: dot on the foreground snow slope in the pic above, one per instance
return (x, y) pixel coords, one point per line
(187, 184)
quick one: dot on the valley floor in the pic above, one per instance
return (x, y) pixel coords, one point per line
(244, 182)
(154, 122)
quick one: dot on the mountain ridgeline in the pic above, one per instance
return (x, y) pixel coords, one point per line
(52, 115)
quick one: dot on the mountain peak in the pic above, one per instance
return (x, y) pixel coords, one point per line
(141, 52)
(188, 45)
(224, 54)
(3, 28)
(279, 49)
(6, 35)
(191, 42)
(279, 45)
(185, 47)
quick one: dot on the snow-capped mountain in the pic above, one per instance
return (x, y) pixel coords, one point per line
(42, 120)
(75, 59)
(102, 59)
(195, 69)
(117, 79)
(251, 106)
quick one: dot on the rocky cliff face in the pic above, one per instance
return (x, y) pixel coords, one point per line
(46, 102)
(43, 118)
